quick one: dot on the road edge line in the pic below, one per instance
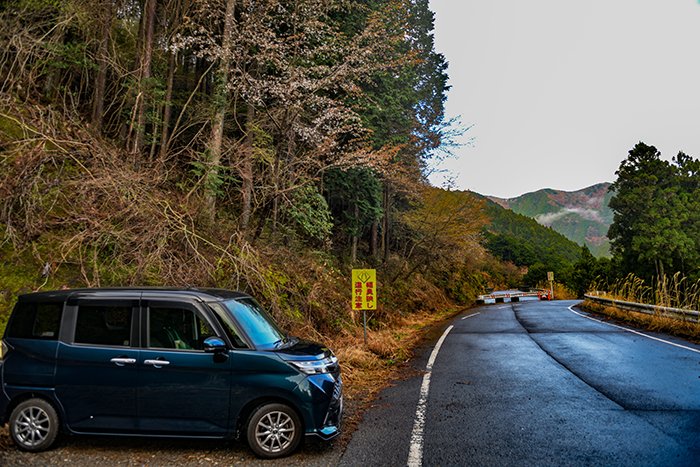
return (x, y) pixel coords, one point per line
(471, 316)
(636, 332)
(415, 453)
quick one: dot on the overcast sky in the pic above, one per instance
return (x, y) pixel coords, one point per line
(559, 90)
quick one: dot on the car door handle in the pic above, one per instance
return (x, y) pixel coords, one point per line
(156, 363)
(121, 361)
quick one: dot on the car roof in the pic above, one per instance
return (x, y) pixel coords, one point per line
(204, 294)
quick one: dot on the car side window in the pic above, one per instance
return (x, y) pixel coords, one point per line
(36, 321)
(103, 324)
(227, 323)
(173, 327)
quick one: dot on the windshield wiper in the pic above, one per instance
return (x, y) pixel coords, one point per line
(285, 342)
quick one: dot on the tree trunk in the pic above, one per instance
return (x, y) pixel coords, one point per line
(220, 100)
(154, 141)
(53, 77)
(146, 57)
(262, 218)
(374, 240)
(385, 222)
(168, 106)
(275, 213)
(277, 185)
(355, 235)
(98, 100)
(126, 132)
(246, 171)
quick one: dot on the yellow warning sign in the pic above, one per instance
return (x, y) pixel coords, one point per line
(364, 289)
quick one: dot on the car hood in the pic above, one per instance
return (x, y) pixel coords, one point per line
(298, 349)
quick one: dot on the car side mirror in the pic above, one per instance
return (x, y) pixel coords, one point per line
(214, 345)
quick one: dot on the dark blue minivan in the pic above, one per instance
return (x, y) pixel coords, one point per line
(204, 363)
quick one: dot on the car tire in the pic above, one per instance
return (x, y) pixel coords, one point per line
(274, 430)
(34, 425)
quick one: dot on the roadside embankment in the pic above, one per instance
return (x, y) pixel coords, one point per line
(657, 322)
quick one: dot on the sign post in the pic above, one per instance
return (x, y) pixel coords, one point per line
(550, 278)
(364, 293)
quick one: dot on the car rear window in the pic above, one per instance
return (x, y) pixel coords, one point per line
(103, 325)
(36, 321)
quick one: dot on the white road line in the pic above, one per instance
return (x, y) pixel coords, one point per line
(415, 453)
(637, 332)
(471, 316)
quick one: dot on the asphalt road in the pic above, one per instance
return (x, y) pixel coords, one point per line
(534, 383)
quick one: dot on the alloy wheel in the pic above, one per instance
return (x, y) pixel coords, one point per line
(275, 432)
(32, 427)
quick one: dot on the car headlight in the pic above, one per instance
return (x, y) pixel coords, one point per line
(316, 367)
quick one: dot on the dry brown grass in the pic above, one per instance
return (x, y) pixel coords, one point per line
(656, 323)
(562, 292)
(674, 291)
(669, 291)
(367, 369)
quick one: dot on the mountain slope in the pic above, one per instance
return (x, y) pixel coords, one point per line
(519, 239)
(582, 216)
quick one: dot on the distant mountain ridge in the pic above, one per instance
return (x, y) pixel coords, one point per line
(583, 216)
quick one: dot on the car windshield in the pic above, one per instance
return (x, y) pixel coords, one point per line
(256, 322)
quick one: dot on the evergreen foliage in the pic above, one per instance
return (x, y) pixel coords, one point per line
(522, 241)
(656, 227)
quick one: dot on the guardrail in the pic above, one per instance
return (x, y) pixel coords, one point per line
(678, 313)
(501, 297)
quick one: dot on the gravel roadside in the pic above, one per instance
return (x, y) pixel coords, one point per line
(127, 451)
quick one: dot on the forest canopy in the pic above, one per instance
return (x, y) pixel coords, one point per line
(248, 107)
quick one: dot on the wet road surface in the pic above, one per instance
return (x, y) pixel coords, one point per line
(534, 383)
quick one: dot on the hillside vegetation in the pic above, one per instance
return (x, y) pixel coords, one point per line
(268, 147)
(522, 241)
(583, 216)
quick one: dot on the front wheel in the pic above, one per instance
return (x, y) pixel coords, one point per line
(34, 425)
(274, 430)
